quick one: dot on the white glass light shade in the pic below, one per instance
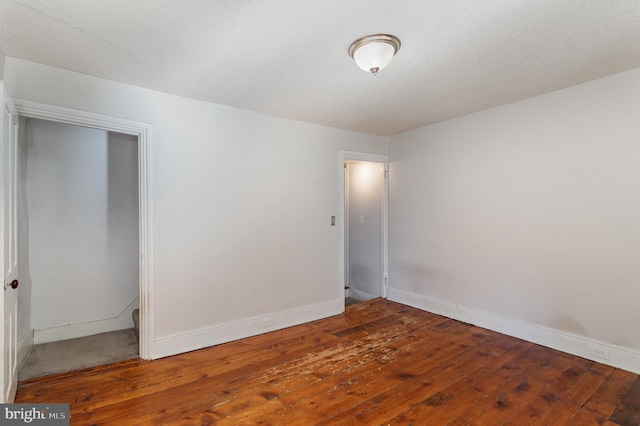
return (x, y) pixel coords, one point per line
(374, 57)
(373, 53)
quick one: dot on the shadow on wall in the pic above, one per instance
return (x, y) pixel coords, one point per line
(362, 277)
(568, 324)
(424, 281)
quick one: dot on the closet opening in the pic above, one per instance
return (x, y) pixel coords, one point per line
(78, 226)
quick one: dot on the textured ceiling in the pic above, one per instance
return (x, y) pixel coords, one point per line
(289, 58)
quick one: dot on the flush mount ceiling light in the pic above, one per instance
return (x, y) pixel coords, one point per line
(373, 53)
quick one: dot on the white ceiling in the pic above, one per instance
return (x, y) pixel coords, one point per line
(289, 58)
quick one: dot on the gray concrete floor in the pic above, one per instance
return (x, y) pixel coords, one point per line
(76, 354)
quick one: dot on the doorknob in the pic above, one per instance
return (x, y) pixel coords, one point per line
(13, 284)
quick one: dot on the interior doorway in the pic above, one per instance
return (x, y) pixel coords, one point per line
(79, 227)
(142, 131)
(364, 213)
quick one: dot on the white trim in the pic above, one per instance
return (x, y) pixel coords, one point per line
(620, 357)
(361, 295)
(9, 172)
(145, 190)
(71, 331)
(24, 347)
(375, 158)
(179, 343)
(79, 118)
(345, 223)
(363, 156)
(385, 232)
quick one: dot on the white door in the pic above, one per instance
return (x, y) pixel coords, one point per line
(9, 247)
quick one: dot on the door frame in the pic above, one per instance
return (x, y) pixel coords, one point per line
(58, 114)
(346, 156)
(9, 249)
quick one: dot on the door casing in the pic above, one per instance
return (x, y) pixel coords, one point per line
(145, 190)
(9, 248)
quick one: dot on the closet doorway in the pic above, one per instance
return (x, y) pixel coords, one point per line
(79, 229)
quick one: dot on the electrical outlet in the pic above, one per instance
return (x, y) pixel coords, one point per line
(267, 322)
(600, 352)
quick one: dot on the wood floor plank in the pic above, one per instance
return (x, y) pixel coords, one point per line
(628, 410)
(443, 403)
(371, 378)
(559, 413)
(513, 399)
(552, 393)
(378, 363)
(423, 381)
(587, 384)
(586, 418)
(606, 398)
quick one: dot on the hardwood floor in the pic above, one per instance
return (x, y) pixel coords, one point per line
(379, 363)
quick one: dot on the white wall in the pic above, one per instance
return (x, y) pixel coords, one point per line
(82, 213)
(366, 185)
(2, 58)
(526, 218)
(241, 203)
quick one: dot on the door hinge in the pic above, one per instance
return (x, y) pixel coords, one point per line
(386, 282)
(386, 173)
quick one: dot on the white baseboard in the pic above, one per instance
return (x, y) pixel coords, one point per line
(172, 345)
(25, 345)
(620, 357)
(71, 331)
(361, 295)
